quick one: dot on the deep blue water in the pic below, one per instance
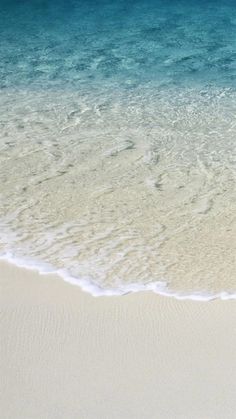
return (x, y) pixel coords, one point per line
(81, 44)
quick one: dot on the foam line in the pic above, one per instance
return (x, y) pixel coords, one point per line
(95, 290)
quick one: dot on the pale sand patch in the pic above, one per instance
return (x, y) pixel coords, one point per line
(65, 354)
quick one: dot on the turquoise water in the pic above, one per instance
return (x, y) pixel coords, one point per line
(117, 143)
(85, 44)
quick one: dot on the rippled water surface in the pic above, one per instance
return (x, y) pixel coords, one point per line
(117, 142)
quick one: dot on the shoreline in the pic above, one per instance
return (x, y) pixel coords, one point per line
(86, 285)
(143, 356)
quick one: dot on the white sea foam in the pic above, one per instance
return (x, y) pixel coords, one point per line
(95, 290)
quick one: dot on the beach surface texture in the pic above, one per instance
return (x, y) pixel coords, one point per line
(66, 354)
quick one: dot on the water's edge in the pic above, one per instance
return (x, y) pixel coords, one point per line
(95, 290)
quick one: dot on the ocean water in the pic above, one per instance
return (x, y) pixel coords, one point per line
(118, 143)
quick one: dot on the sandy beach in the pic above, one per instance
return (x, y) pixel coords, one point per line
(117, 209)
(66, 354)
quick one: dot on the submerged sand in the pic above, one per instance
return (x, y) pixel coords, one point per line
(122, 187)
(66, 354)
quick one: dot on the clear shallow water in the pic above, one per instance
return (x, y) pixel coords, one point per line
(78, 44)
(118, 130)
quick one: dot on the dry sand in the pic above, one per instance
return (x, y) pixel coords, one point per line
(67, 355)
